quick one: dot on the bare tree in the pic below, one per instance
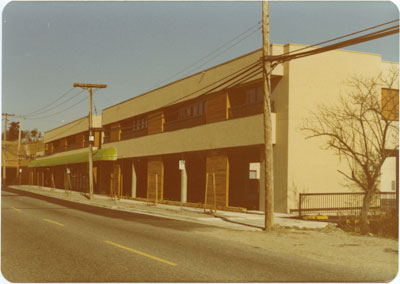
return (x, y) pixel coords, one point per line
(361, 128)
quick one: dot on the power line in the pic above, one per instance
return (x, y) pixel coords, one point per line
(54, 107)
(52, 102)
(286, 57)
(230, 47)
(371, 36)
(340, 37)
(65, 130)
(240, 71)
(209, 54)
(57, 113)
(68, 108)
(74, 123)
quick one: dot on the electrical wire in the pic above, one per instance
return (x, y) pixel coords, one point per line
(68, 108)
(353, 41)
(286, 57)
(237, 72)
(76, 122)
(57, 113)
(54, 107)
(52, 102)
(209, 54)
(65, 130)
(230, 47)
(340, 37)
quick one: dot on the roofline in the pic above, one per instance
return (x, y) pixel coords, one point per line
(71, 122)
(184, 78)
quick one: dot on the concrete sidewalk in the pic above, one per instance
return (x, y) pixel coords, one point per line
(234, 220)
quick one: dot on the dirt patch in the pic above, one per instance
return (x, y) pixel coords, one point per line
(329, 245)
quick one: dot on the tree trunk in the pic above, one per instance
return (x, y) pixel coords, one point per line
(364, 226)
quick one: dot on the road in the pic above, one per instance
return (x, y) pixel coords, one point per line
(43, 241)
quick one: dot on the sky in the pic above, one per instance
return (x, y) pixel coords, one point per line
(134, 46)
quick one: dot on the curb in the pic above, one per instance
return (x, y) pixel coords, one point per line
(196, 220)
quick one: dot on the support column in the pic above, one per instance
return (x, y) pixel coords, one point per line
(134, 180)
(182, 167)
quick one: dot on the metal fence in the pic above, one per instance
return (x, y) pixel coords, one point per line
(349, 203)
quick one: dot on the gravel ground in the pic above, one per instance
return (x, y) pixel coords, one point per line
(329, 245)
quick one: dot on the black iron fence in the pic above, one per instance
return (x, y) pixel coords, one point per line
(343, 203)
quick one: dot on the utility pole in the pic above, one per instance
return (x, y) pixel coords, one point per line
(19, 145)
(89, 87)
(5, 145)
(269, 186)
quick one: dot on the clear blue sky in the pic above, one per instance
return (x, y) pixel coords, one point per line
(132, 46)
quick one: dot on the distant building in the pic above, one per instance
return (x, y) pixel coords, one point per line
(197, 128)
(28, 152)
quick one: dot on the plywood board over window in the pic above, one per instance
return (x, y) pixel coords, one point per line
(218, 164)
(217, 107)
(390, 104)
(116, 180)
(115, 132)
(155, 122)
(155, 179)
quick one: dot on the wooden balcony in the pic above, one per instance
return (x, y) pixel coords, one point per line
(245, 110)
(129, 133)
(184, 123)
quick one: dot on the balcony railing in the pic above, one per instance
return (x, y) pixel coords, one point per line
(245, 110)
(65, 148)
(129, 132)
(184, 123)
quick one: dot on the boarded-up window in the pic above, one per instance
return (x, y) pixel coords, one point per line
(390, 104)
(115, 132)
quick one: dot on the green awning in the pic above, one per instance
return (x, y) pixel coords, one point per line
(107, 154)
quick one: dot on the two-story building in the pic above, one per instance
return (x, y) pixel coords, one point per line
(66, 151)
(14, 160)
(203, 136)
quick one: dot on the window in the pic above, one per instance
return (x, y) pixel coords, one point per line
(254, 95)
(139, 124)
(390, 104)
(251, 96)
(260, 94)
(193, 110)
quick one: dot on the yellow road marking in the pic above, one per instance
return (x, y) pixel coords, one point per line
(16, 209)
(53, 222)
(141, 253)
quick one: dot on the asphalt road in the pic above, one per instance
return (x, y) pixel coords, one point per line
(43, 241)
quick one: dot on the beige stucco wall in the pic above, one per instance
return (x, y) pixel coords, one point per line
(185, 89)
(280, 96)
(315, 80)
(229, 133)
(72, 128)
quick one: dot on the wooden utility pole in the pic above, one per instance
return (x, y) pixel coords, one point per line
(19, 146)
(5, 145)
(269, 186)
(91, 138)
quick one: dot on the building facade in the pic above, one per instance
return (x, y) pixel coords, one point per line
(65, 163)
(18, 161)
(201, 139)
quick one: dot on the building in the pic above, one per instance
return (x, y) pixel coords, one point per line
(66, 151)
(200, 139)
(28, 151)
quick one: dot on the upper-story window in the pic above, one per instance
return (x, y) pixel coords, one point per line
(139, 124)
(254, 95)
(390, 104)
(194, 110)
